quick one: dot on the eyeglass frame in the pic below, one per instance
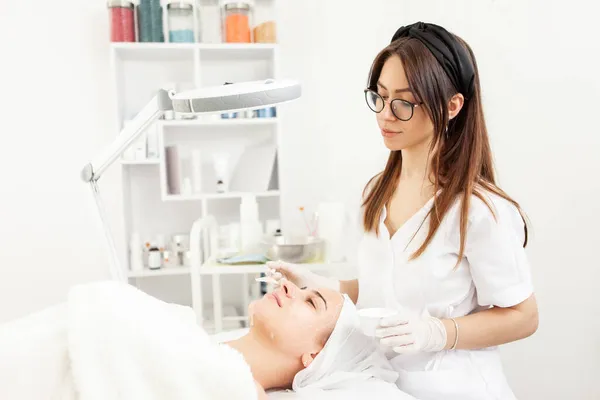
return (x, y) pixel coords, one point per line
(412, 105)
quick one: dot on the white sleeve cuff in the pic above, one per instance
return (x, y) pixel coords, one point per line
(509, 297)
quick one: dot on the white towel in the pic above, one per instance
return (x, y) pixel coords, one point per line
(111, 341)
(125, 344)
(348, 358)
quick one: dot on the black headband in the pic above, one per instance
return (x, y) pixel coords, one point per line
(449, 52)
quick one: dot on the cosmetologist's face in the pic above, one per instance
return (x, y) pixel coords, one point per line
(398, 134)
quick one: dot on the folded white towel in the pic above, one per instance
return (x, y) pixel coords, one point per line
(348, 358)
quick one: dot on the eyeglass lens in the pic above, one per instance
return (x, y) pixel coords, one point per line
(401, 109)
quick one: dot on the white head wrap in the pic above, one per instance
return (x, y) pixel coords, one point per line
(349, 356)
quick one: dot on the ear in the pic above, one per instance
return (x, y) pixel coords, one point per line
(308, 358)
(455, 105)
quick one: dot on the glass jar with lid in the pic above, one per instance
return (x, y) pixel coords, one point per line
(180, 16)
(150, 21)
(122, 21)
(236, 21)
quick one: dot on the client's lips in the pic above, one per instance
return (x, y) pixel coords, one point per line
(277, 299)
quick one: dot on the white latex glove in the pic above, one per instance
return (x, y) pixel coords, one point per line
(300, 276)
(414, 334)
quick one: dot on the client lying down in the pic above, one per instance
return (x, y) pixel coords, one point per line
(112, 341)
(305, 339)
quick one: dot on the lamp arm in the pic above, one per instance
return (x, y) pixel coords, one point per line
(90, 174)
(155, 108)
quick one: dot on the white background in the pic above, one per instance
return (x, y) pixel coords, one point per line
(539, 63)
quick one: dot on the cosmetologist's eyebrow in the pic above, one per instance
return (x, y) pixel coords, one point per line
(397, 90)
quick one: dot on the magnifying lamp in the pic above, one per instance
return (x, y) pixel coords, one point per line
(218, 99)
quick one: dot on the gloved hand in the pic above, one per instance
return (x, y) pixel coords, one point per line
(300, 276)
(409, 335)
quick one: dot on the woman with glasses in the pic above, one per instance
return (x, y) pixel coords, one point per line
(443, 244)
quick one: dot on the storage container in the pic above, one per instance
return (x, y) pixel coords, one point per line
(122, 24)
(180, 16)
(150, 21)
(236, 20)
(265, 32)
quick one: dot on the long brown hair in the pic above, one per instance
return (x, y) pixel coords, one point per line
(460, 154)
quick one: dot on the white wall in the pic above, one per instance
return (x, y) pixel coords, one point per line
(539, 63)
(56, 112)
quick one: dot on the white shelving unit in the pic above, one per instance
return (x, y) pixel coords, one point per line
(139, 70)
(149, 206)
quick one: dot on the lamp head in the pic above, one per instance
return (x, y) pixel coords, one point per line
(236, 96)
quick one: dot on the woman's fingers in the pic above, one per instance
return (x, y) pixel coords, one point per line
(274, 274)
(393, 320)
(279, 269)
(279, 266)
(398, 341)
(398, 330)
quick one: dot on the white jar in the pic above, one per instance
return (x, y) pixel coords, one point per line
(181, 22)
(154, 258)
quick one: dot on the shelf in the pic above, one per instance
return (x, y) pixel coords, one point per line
(213, 268)
(152, 161)
(154, 51)
(141, 46)
(146, 272)
(219, 122)
(216, 196)
(236, 51)
(240, 318)
(208, 51)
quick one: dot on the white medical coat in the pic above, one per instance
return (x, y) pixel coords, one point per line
(493, 271)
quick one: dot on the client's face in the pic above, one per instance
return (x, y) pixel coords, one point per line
(297, 321)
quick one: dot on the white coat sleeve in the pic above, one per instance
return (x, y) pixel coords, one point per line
(494, 249)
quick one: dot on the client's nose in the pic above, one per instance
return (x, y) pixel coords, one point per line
(288, 288)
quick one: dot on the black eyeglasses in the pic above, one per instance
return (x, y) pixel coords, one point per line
(402, 109)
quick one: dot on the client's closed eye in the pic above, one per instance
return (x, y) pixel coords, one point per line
(317, 302)
(312, 299)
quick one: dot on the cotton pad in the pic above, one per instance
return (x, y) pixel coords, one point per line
(370, 317)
